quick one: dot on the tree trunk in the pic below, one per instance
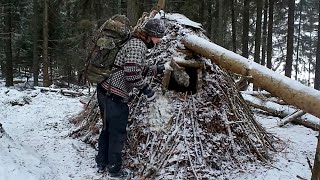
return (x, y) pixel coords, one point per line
(316, 164)
(8, 44)
(98, 6)
(293, 92)
(219, 39)
(317, 77)
(257, 45)
(45, 57)
(289, 59)
(234, 31)
(209, 19)
(35, 58)
(298, 43)
(245, 27)
(270, 32)
(264, 36)
(133, 11)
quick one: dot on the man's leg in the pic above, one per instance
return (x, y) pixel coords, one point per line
(103, 145)
(117, 116)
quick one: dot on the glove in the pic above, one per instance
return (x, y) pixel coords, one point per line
(148, 92)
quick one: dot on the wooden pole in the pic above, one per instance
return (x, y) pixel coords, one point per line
(316, 164)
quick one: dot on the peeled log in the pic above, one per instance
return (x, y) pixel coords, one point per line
(291, 91)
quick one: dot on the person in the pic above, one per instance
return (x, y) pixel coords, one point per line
(113, 93)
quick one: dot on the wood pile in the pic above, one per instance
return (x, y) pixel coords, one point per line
(196, 130)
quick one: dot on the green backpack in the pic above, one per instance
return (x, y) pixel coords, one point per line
(112, 36)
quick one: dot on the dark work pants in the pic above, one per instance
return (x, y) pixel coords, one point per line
(114, 114)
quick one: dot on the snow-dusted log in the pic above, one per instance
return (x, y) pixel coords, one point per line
(281, 111)
(292, 117)
(293, 92)
(64, 92)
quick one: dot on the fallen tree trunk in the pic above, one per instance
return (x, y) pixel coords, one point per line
(291, 91)
(279, 111)
(62, 91)
(292, 117)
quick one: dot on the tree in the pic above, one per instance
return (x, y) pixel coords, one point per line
(298, 41)
(133, 11)
(220, 19)
(245, 27)
(35, 57)
(264, 33)
(8, 43)
(317, 73)
(290, 36)
(316, 164)
(258, 35)
(258, 32)
(234, 29)
(45, 56)
(270, 32)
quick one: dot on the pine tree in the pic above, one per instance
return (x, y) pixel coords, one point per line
(290, 36)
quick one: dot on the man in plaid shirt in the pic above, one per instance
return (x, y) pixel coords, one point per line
(113, 93)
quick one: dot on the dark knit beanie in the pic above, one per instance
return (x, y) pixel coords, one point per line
(154, 27)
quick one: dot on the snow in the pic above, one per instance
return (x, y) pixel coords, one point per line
(300, 145)
(41, 149)
(181, 19)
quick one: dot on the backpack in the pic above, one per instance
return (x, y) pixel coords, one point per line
(111, 37)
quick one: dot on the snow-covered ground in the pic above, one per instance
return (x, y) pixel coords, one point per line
(41, 149)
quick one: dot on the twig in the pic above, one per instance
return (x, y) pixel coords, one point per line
(185, 142)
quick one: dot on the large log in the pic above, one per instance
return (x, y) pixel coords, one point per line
(291, 91)
(280, 111)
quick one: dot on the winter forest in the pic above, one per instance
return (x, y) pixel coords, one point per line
(242, 101)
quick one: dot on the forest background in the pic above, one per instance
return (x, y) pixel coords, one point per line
(50, 40)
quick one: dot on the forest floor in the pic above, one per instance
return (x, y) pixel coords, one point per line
(40, 148)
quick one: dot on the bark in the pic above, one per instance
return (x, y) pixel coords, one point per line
(298, 43)
(234, 30)
(289, 59)
(209, 19)
(245, 35)
(64, 92)
(264, 33)
(270, 32)
(316, 164)
(8, 45)
(219, 39)
(281, 111)
(46, 81)
(257, 44)
(291, 117)
(35, 59)
(317, 76)
(133, 11)
(293, 92)
(258, 32)
(160, 5)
